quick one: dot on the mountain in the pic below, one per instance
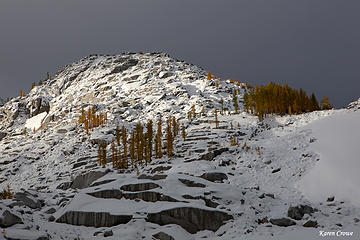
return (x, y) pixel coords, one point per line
(242, 179)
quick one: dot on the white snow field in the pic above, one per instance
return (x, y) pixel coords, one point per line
(338, 171)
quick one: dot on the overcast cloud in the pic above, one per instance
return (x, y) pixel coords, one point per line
(309, 44)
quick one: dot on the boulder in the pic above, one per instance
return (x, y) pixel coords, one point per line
(214, 176)
(37, 106)
(93, 219)
(85, 180)
(163, 236)
(298, 212)
(108, 233)
(211, 155)
(27, 199)
(102, 182)
(160, 169)
(2, 135)
(154, 178)
(138, 187)
(311, 223)
(276, 170)
(126, 65)
(64, 185)
(50, 211)
(108, 193)
(9, 219)
(165, 74)
(190, 183)
(147, 196)
(282, 222)
(191, 219)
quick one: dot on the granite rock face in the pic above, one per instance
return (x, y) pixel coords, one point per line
(93, 219)
(191, 219)
(9, 219)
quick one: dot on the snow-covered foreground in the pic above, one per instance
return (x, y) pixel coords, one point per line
(338, 171)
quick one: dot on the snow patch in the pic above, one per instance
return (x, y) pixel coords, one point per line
(337, 172)
(35, 122)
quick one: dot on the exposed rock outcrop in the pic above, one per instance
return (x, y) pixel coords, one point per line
(9, 219)
(282, 222)
(214, 176)
(191, 219)
(93, 219)
(211, 155)
(85, 180)
(298, 212)
(138, 187)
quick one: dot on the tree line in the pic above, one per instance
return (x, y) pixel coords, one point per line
(278, 99)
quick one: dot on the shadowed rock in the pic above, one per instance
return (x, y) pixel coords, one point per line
(27, 199)
(211, 155)
(282, 222)
(214, 176)
(160, 169)
(145, 196)
(109, 193)
(190, 183)
(311, 223)
(138, 187)
(9, 219)
(85, 180)
(154, 178)
(163, 236)
(2, 135)
(93, 219)
(102, 182)
(192, 220)
(298, 212)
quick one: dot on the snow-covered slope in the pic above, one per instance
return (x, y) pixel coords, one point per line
(209, 189)
(338, 138)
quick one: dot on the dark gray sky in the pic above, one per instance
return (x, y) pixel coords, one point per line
(313, 44)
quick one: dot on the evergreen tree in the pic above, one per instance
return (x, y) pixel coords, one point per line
(203, 110)
(149, 139)
(183, 133)
(222, 106)
(169, 138)
(118, 135)
(99, 158)
(314, 103)
(123, 140)
(175, 125)
(103, 155)
(139, 142)
(216, 118)
(158, 145)
(193, 113)
(325, 103)
(132, 146)
(235, 100)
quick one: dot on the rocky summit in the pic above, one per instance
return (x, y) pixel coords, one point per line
(68, 171)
